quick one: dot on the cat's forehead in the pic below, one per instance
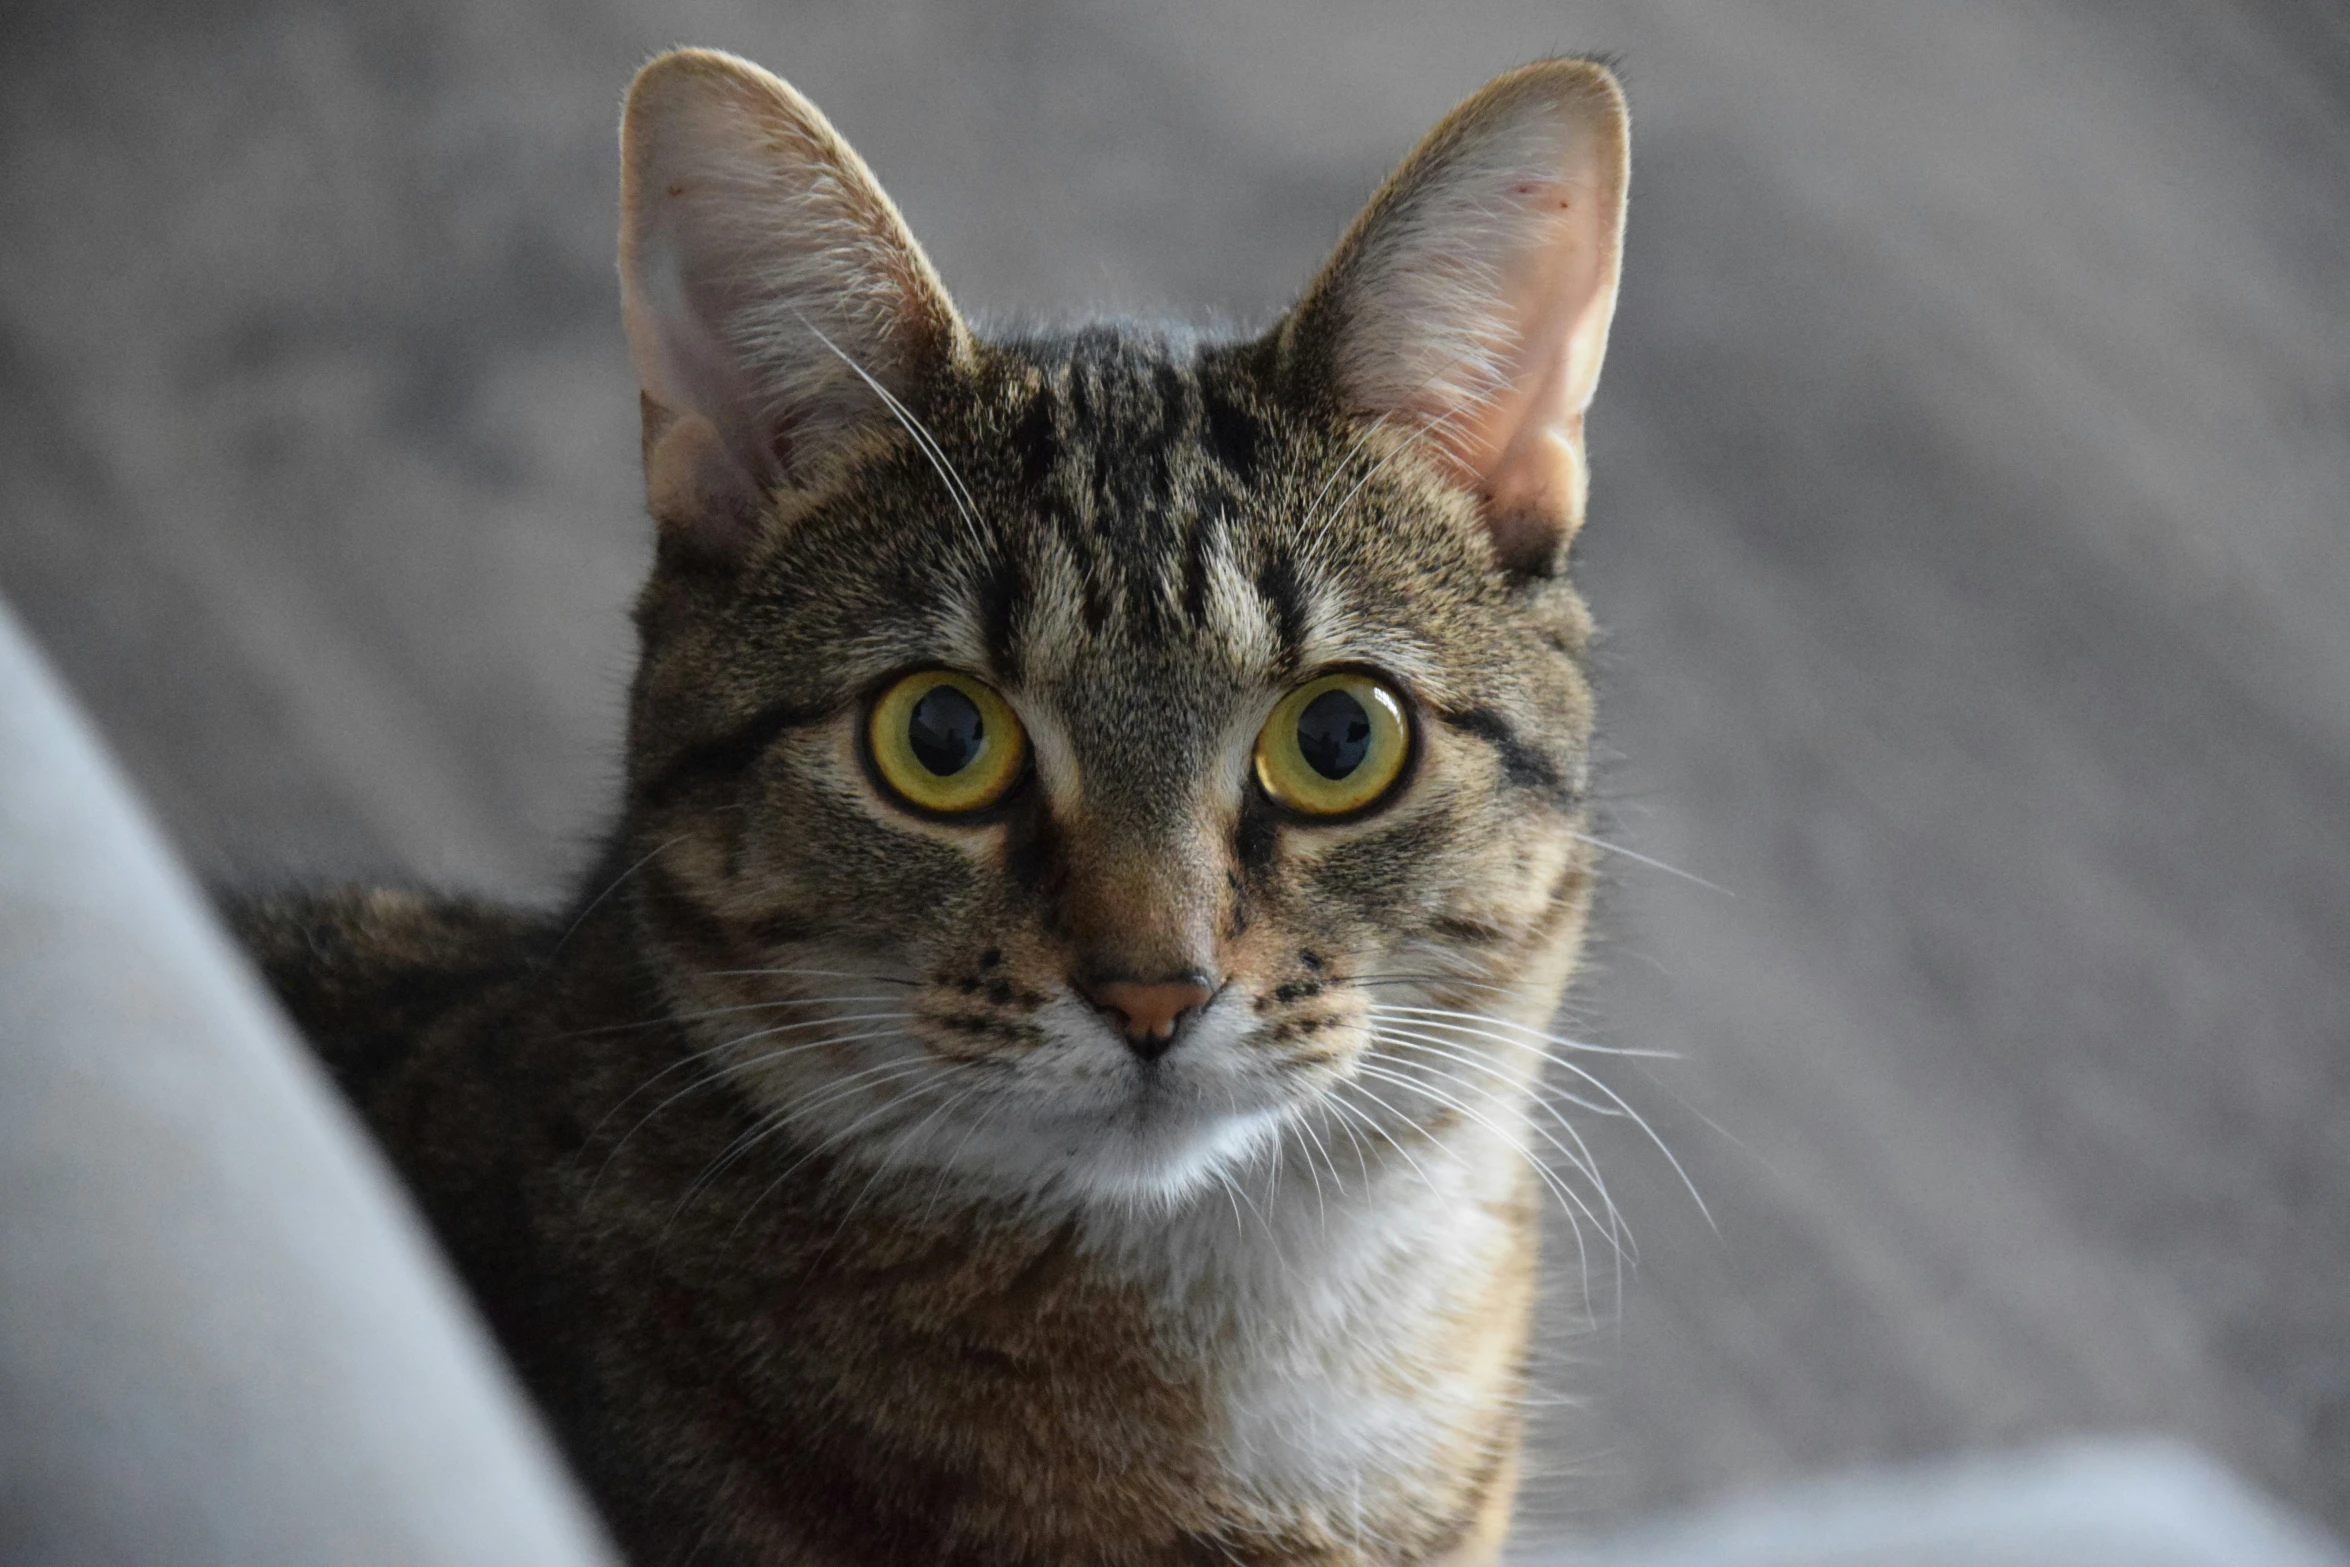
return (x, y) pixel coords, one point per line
(1135, 454)
(1162, 510)
(1121, 389)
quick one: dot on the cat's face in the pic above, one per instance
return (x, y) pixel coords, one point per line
(1075, 761)
(1152, 554)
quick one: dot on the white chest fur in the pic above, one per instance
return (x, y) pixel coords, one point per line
(1357, 1315)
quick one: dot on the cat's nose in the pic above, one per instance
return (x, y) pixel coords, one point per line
(1151, 1014)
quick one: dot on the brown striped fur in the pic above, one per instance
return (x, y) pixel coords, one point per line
(826, 1220)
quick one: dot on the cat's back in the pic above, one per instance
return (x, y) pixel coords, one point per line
(365, 972)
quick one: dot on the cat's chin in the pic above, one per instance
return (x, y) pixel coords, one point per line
(1169, 1158)
(1152, 1155)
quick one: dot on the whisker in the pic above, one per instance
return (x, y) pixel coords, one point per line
(708, 1051)
(1533, 1033)
(1357, 1114)
(1316, 528)
(1306, 1125)
(1471, 1027)
(923, 439)
(1356, 1084)
(597, 901)
(704, 1016)
(721, 1074)
(1372, 981)
(1569, 1201)
(785, 1117)
(1589, 1106)
(1427, 426)
(844, 1133)
(1232, 1194)
(1362, 1155)
(1430, 1045)
(1306, 1151)
(881, 1166)
(1623, 1107)
(1618, 1236)
(806, 973)
(1583, 1161)
(1313, 526)
(1272, 1186)
(1331, 518)
(1637, 857)
(947, 1167)
(1588, 1164)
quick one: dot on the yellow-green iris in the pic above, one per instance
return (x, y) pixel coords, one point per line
(945, 742)
(1334, 745)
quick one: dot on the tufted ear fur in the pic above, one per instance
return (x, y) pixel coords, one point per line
(1470, 302)
(773, 297)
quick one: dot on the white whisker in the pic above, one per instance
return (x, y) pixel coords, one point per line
(1637, 857)
(722, 1073)
(928, 443)
(878, 1075)
(1620, 1107)
(805, 973)
(1313, 525)
(844, 1133)
(1617, 1108)
(1560, 1040)
(882, 1165)
(1428, 1044)
(597, 901)
(1618, 1238)
(1356, 1084)
(703, 1054)
(668, 1019)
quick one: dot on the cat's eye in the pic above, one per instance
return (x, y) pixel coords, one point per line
(1335, 745)
(944, 742)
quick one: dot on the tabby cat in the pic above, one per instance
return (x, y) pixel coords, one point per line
(1045, 1072)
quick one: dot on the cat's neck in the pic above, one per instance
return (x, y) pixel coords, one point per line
(1352, 1327)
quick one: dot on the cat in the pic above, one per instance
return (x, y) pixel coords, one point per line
(1046, 1070)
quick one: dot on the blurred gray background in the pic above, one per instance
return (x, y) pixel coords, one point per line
(1970, 524)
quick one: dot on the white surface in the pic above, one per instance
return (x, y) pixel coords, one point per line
(222, 1338)
(2119, 1505)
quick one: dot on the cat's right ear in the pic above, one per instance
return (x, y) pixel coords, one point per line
(775, 301)
(1468, 308)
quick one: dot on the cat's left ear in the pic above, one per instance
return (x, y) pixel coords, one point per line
(1469, 305)
(777, 308)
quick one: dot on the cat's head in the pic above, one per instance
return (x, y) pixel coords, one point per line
(1073, 759)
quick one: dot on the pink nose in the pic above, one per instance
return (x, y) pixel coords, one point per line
(1150, 1014)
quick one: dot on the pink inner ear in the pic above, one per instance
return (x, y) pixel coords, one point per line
(1524, 445)
(1516, 431)
(1473, 300)
(682, 362)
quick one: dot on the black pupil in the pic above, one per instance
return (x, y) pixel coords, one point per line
(945, 730)
(1334, 734)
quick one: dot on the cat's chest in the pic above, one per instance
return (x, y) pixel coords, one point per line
(1311, 1369)
(1361, 1347)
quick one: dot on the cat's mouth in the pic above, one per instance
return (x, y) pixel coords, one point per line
(1090, 1117)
